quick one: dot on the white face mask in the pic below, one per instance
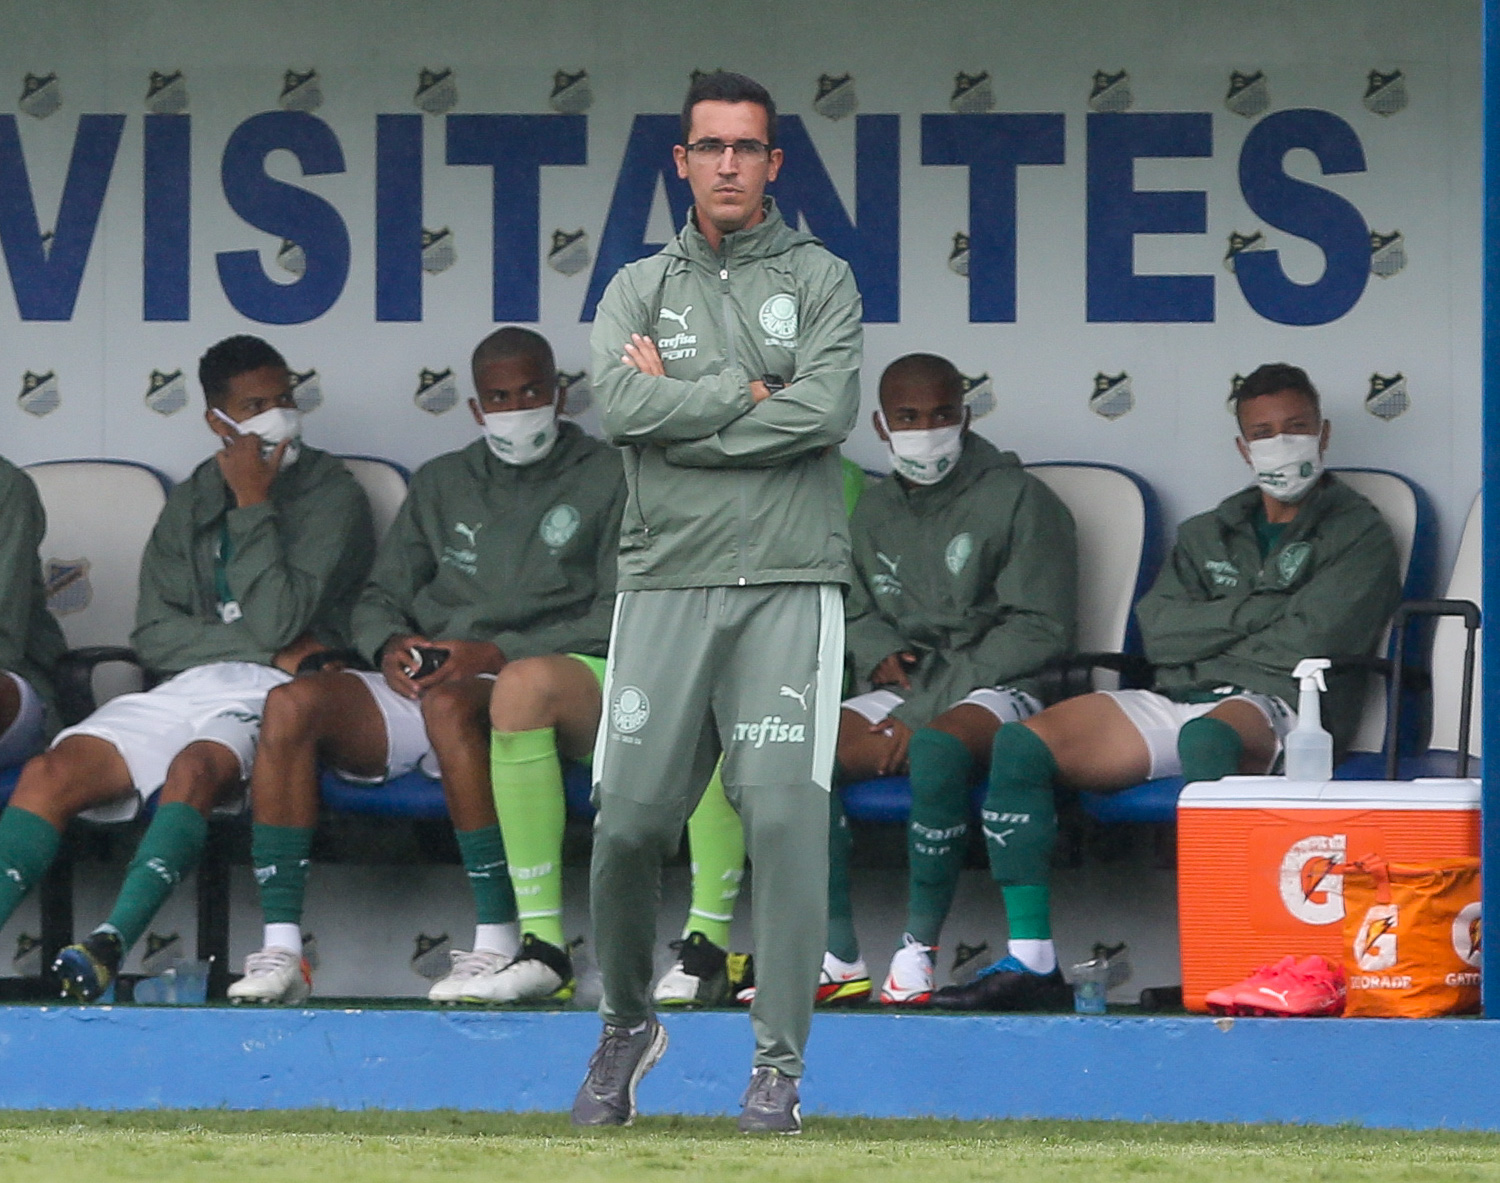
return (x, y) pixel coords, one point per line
(924, 457)
(521, 437)
(1286, 466)
(273, 426)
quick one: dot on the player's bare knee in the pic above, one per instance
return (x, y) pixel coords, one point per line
(448, 710)
(55, 784)
(200, 775)
(291, 711)
(525, 696)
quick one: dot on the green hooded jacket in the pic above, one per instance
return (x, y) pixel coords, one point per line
(724, 491)
(1220, 615)
(295, 563)
(30, 639)
(522, 557)
(977, 575)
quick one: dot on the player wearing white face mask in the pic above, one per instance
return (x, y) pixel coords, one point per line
(965, 583)
(252, 567)
(1297, 565)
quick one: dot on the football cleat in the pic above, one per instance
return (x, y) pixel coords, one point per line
(699, 976)
(540, 972)
(85, 970)
(1225, 1000)
(909, 982)
(273, 975)
(1311, 987)
(1008, 985)
(842, 983)
(607, 1095)
(463, 968)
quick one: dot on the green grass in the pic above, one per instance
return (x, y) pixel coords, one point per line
(448, 1147)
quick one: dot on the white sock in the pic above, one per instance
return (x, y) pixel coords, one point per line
(284, 936)
(504, 939)
(1040, 957)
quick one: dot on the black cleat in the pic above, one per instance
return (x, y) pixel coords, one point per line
(1007, 985)
(86, 970)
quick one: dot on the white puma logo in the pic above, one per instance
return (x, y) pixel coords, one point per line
(788, 692)
(1279, 995)
(999, 835)
(679, 317)
(467, 531)
(891, 563)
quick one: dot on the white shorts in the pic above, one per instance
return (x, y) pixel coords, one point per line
(1006, 704)
(217, 703)
(27, 731)
(406, 744)
(1159, 719)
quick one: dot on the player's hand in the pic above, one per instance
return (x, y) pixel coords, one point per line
(892, 760)
(759, 391)
(892, 671)
(466, 659)
(395, 660)
(290, 657)
(247, 474)
(641, 354)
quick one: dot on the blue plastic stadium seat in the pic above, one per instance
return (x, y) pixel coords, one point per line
(1153, 801)
(884, 799)
(8, 779)
(418, 797)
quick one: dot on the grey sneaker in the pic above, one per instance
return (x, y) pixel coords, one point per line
(770, 1104)
(607, 1094)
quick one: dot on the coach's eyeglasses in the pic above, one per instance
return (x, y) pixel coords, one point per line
(750, 150)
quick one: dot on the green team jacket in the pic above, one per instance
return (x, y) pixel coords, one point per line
(722, 490)
(1220, 615)
(977, 575)
(30, 640)
(296, 562)
(522, 557)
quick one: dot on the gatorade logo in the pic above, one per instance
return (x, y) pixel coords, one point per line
(1309, 892)
(1466, 934)
(1375, 946)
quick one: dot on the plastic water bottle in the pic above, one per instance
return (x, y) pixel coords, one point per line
(1309, 748)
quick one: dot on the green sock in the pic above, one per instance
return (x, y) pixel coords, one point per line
(168, 850)
(843, 943)
(280, 857)
(483, 854)
(28, 844)
(1019, 815)
(716, 843)
(937, 834)
(1028, 911)
(1209, 749)
(526, 776)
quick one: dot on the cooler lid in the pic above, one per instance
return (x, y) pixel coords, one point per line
(1277, 792)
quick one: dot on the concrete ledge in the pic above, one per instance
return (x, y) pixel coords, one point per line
(1410, 1074)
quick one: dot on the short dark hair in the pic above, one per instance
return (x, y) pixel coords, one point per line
(1271, 379)
(514, 341)
(722, 86)
(230, 358)
(925, 367)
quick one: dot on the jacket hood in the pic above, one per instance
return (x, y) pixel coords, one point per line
(769, 237)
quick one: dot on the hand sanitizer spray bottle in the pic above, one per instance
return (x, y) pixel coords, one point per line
(1309, 749)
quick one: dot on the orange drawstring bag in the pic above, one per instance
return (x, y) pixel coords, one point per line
(1411, 937)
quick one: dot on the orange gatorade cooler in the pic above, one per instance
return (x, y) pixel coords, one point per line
(1252, 852)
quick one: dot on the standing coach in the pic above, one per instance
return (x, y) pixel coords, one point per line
(728, 370)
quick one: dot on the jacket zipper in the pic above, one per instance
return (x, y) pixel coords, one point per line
(731, 357)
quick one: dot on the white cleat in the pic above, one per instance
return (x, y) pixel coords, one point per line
(540, 972)
(273, 975)
(465, 969)
(909, 982)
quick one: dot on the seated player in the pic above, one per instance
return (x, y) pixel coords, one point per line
(30, 641)
(504, 550)
(703, 973)
(1297, 565)
(965, 586)
(252, 566)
